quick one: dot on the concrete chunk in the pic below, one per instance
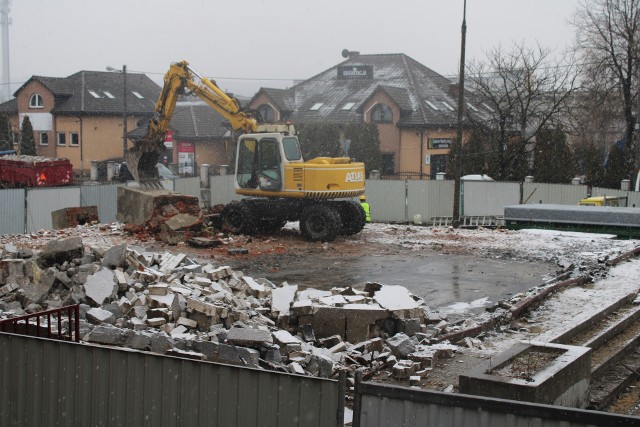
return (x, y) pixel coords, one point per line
(249, 337)
(98, 316)
(101, 287)
(401, 345)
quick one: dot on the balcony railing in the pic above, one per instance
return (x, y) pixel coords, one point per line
(47, 324)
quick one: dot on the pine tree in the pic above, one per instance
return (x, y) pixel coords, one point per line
(615, 169)
(365, 145)
(553, 162)
(5, 133)
(27, 143)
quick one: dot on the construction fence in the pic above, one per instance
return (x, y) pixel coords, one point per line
(47, 382)
(29, 210)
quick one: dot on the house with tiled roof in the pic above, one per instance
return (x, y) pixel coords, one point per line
(413, 107)
(81, 117)
(197, 135)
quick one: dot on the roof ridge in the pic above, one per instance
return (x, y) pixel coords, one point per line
(194, 121)
(412, 85)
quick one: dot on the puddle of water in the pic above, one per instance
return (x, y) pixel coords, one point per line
(441, 280)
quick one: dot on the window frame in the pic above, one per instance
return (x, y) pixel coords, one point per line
(71, 135)
(44, 139)
(36, 101)
(270, 115)
(61, 136)
(383, 109)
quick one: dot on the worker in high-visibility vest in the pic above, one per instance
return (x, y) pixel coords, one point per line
(366, 207)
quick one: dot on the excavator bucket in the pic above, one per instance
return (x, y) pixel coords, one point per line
(142, 160)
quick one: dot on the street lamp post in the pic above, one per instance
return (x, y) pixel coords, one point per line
(458, 163)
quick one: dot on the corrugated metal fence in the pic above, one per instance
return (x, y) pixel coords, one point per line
(46, 383)
(390, 201)
(378, 405)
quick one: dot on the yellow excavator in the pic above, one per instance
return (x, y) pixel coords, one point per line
(279, 185)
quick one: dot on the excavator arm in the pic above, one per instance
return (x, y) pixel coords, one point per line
(142, 158)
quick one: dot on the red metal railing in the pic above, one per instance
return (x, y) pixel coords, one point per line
(35, 325)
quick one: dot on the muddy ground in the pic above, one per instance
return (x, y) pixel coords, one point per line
(457, 272)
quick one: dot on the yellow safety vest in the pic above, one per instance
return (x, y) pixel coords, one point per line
(367, 210)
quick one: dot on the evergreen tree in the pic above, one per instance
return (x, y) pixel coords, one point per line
(615, 168)
(553, 158)
(6, 142)
(476, 153)
(365, 144)
(27, 142)
(589, 162)
(323, 140)
(517, 160)
(319, 140)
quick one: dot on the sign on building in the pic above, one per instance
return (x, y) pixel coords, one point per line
(355, 72)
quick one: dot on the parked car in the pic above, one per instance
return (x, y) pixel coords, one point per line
(476, 178)
(124, 175)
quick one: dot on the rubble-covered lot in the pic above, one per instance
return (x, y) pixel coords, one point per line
(190, 302)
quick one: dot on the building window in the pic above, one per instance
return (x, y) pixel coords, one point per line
(267, 113)
(35, 101)
(381, 114)
(94, 94)
(74, 139)
(137, 94)
(62, 139)
(316, 106)
(44, 138)
(388, 160)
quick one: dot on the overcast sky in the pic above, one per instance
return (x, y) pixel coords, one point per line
(250, 44)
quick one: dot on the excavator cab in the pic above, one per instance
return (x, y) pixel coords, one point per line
(261, 159)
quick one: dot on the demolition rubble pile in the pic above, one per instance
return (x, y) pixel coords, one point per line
(171, 304)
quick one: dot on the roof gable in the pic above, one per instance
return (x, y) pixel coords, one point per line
(327, 96)
(100, 92)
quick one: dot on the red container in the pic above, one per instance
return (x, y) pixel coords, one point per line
(22, 171)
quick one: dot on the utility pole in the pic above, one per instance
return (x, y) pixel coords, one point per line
(458, 161)
(124, 113)
(5, 21)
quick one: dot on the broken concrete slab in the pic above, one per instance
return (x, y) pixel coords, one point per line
(353, 322)
(401, 345)
(139, 206)
(74, 216)
(249, 337)
(224, 353)
(115, 256)
(61, 250)
(101, 287)
(106, 334)
(181, 222)
(98, 316)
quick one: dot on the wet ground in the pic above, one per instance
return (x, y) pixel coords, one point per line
(458, 281)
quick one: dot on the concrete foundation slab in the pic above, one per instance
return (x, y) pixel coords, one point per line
(538, 372)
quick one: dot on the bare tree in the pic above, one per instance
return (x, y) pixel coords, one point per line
(609, 41)
(522, 91)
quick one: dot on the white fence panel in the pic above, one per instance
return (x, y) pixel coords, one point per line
(557, 194)
(104, 197)
(222, 189)
(12, 211)
(42, 201)
(387, 200)
(429, 199)
(480, 198)
(189, 186)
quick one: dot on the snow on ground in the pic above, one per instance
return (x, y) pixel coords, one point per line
(572, 306)
(539, 245)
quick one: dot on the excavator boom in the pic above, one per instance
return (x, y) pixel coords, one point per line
(142, 158)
